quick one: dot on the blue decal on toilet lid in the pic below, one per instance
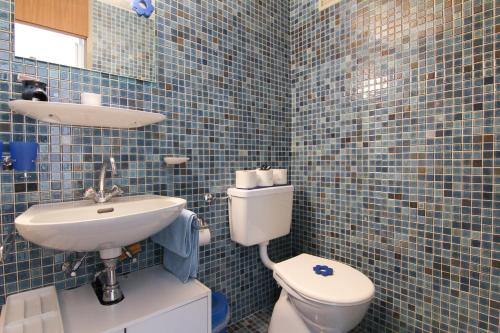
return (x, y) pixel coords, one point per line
(323, 270)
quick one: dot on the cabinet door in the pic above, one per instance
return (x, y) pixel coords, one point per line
(190, 318)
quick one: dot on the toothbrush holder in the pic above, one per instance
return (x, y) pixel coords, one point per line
(23, 155)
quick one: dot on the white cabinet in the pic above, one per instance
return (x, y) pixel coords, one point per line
(155, 302)
(186, 319)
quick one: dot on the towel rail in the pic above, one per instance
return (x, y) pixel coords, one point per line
(209, 198)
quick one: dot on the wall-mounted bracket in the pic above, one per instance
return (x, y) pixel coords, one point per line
(7, 245)
(6, 163)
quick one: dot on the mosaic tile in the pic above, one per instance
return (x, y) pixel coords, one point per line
(120, 41)
(254, 323)
(384, 111)
(225, 93)
(395, 155)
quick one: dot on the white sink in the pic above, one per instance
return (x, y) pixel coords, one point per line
(86, 226)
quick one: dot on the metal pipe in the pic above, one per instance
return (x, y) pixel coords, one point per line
(111, 288)
(102, 176)
(210, 197)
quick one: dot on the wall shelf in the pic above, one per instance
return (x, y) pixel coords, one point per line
(175, 160)
(84, 115)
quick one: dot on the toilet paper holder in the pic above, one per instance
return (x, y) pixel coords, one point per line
(202, 224)
(204, 232)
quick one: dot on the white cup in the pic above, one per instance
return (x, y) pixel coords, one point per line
(90, 99)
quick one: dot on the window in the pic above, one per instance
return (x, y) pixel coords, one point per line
(48, 45)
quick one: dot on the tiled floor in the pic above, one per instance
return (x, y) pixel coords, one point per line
(259, 322)
(256, 323)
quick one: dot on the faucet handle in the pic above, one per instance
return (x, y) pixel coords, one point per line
(116, 190)
(89, 193)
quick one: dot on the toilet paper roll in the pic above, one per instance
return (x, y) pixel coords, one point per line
(280, 176)
(246, 179)
(264, 178)
(204, 236)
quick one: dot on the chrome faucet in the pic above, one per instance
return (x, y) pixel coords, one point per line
(102, 196)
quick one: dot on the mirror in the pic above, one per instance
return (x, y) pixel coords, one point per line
(111, 36)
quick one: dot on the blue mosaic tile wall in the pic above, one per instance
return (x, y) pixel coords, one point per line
(395, 154)
(223, 84)
(121, 41)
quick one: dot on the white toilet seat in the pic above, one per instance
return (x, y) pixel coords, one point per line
(346, 287)
(311, 302)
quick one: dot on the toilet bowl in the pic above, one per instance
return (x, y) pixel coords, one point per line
(310, 302)
(318, 295)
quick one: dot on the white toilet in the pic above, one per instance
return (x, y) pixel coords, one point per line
(312, 299)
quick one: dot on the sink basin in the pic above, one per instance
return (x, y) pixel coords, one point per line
(85, 226)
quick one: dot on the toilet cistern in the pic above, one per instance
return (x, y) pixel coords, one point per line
(102, 196)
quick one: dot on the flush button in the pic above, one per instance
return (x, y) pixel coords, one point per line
(323, 270)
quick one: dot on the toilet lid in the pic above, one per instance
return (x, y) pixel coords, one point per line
(346, 286)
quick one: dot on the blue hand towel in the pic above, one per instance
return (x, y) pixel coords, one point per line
(180, 243)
